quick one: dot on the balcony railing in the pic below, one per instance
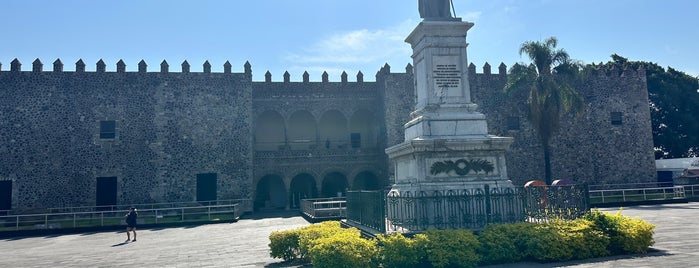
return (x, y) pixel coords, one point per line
(318, 209)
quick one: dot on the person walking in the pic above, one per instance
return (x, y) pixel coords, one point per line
(131, 219)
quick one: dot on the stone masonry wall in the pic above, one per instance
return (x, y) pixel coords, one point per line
(172, 126)
(169, 127)
(587, 148)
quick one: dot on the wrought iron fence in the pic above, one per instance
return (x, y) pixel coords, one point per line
(367, 209)
(556, 202)
(474, 209)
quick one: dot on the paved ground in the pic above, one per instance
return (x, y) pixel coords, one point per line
(244, 244)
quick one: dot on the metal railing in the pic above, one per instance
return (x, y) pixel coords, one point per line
(324, 208)
(474, 209)
(637, 194)
(201, 213)
(691, 191)
(367, 208)
(53, 210)
(639, 185)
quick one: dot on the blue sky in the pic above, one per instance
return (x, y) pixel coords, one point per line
(334, 35)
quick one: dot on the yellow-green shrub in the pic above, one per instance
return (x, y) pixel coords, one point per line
(294, 244)
(343, 249)
(397, 250)
(582, 238)
(627, 235)
(308, 234)
(452, 248)
(284, 245)
(636, 235)
(546, 244)
(505, 243)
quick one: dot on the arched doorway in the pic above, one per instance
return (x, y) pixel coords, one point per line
(270, 193)
(334, 185)
(303, 186)
(365, 181)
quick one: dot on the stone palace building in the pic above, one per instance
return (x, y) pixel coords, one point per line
(95, 138)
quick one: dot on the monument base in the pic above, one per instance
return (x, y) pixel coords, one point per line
(452, 163)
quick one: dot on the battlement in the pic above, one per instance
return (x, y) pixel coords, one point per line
(101, 67)
(325, 77)
(589, 72)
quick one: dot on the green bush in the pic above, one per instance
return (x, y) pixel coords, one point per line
(309, 234)
(452, 248)
(294, 244)
(546, 244)
(636, 235)
(343, 249)
(597, 234)
(626, 235)
(397, 250)
(284, 245)
(505, 243)
(582, 238)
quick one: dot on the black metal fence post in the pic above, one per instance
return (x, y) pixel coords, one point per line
(488, 205)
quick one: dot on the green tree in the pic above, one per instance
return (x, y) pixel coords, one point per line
(547, 81)
(674, 106)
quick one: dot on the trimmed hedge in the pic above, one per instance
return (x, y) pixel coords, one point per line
(627, 235)
(594, 235)
(344, 249)
(399, 251)
(452, 248)
(505, 243)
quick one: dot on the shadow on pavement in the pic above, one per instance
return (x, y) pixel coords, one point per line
(120, 244)
(287, 264)
(259, 215)
(651, 253)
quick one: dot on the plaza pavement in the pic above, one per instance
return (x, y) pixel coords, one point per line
(244, 244)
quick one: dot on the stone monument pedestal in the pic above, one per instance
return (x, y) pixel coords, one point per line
(447, 148)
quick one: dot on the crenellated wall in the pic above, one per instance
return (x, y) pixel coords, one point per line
(588, 148)
(169, 128)
(172, 126)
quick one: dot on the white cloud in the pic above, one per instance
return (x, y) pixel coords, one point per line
(357, 47)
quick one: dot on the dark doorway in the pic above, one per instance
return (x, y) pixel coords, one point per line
(270, 193)
(206, 187)
(334, 185)
(303, 186)
(106, 193)
(5, 195)
(665, 179)
(365, 181)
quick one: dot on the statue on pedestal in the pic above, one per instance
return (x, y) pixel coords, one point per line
(435, 9)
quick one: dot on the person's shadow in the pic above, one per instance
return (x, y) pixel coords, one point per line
(120, 244)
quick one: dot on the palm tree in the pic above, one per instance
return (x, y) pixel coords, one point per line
(547, 81)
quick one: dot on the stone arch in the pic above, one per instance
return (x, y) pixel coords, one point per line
(270, 193)
(302, 131)
(270, 131)
(302, 186)
(364, 130)
(332, 130)
(334, 184)
(366, 180)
